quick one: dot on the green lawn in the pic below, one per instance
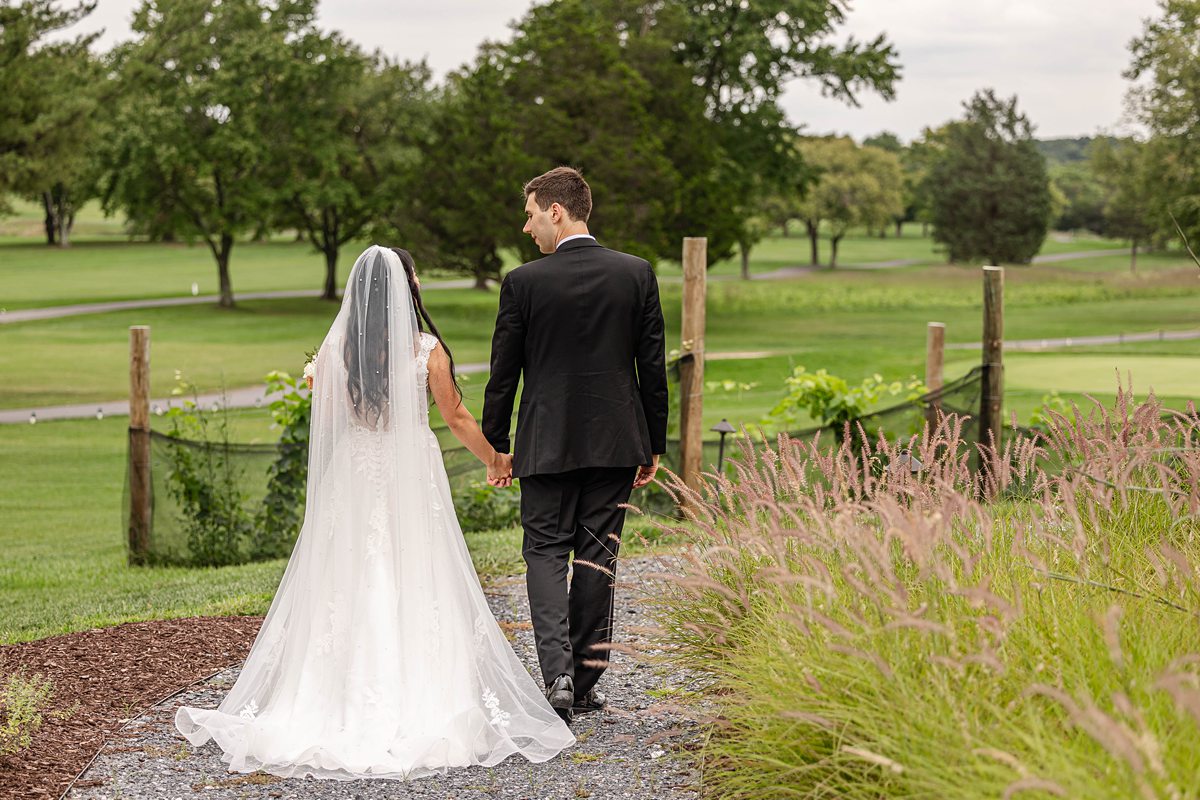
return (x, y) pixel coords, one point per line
(103, 264)
(61, 554)
(35, 276)
(853, 323)
(1169, 376)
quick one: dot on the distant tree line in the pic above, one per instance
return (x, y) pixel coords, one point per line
(222, 122)
(991, 192)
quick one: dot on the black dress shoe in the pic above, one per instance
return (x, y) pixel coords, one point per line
(592, 701)
(561, 695)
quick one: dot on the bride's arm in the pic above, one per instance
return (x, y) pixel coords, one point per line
(460, 421)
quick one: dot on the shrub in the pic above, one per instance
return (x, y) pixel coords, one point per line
(485, 508)
(831, 401)
(206, 483)
(22, 702)
(277, 521)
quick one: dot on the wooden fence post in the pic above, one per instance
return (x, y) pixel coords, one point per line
(691, 372)
(139, 443)
(992, 397)
(935, 349)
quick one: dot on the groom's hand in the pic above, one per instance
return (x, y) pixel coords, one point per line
(646, 474)
(499, 472)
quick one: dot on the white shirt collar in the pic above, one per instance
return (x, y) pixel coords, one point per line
(575, 236)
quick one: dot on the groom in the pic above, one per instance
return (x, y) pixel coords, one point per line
(585, 328)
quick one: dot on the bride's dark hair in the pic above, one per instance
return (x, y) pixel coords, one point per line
(365, 351)
(423, 318)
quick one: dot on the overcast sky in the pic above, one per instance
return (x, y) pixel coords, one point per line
(1062, 58)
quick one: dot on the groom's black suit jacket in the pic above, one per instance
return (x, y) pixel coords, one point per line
(586, 327)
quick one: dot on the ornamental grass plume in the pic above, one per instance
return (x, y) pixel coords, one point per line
(1029, 629)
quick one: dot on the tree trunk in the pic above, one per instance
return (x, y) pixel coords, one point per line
(226, 248)
(1133, 257)
(924, 229)
(331, 259)
(330, 236)
(481, 278)
(899, 228)
(786, 228)
(813, 232)
(883, 231)
(745, 260)
(833, 245)
(48, 207)
(63, 215)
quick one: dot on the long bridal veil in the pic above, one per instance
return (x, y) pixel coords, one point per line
(378, 656)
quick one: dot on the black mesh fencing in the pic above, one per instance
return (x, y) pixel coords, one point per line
(217, 503)
(960, 397)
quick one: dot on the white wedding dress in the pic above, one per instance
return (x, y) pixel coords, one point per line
(379, 656)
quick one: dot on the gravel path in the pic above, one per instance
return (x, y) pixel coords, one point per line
(631, 750)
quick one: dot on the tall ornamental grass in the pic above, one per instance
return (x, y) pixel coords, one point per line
(875, 627)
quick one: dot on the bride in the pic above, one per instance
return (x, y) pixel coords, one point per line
(379, 657)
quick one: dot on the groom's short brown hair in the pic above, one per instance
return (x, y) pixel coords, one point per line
(565, 186)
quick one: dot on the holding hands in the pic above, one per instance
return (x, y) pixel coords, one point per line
(499, 471)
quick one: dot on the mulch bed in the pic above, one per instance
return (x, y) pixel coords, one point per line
(114, 674)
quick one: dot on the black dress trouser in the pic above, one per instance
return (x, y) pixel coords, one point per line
(563, 512)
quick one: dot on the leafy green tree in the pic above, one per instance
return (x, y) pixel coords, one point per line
(917, 158)
(885, 140)
(49, 96)
(205, 93)
(352, 150)
(595, 110)
(1167, 101)
(779, 210)
(1066, 150)
(857, 186)
(670, 109)
(743, 54)
(467, 205)
(890, 142)
(1130, 190)
(753, 230)
(1083, 208)
(989, 191)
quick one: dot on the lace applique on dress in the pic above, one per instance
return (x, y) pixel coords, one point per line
(428, 342)
(492, 703)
